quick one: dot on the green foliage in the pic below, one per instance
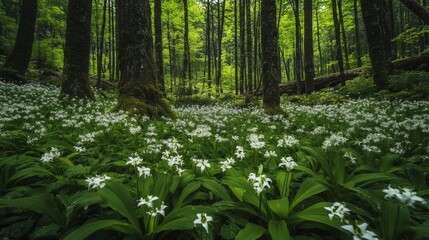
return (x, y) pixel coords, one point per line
(320, 97)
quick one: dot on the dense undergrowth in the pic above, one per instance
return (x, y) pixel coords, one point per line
(72, 169)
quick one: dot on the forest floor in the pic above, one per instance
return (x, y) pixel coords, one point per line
(324, 172)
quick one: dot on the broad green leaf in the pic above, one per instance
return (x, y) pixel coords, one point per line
(283, 181)
(368, 178)
(307, 189)
(33, 171)
(279, 207)
(41, 203)
(278, 230)
(89, 228)
(190, 188)
(177, 224)
(119, 199)
(250, 232)
(315, 213)
(216, 188)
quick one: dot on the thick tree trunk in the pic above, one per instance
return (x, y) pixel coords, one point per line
(270, 58)
(139, 92)
(418, 9)
(158, 46)
(19, 58)
(338, 51)
(77, 50)
(374, 34)
(308, 46)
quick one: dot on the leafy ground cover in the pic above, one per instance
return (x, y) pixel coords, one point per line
(74, 170)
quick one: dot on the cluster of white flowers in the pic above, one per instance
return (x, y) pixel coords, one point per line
(288, 163)
(256, 141)
(269, 154)
(97, 181)
(201, 163)
(335, 139)
(153, 210)
(135, 161)
(337, 209)
(227, 164)
(51, 155)
(174, 160)
(287, 141)
(404, 195)
(239, 152)
(201, 131)
(360, 231)
(259, 182)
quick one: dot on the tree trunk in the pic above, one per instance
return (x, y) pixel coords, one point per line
(208, 43)
(357, 34)
(158, 46)
(19, 58)
(221, 21)
(270, 58)
(374, 34)
(186, 57)
(235, 48)
(242, 47)
(139, 92)
(101, 45)
(418, 9)
(308, 46)
(298, 53)
(338, 51)
(319, 45)
(77, 50)
(344, 35)
(249, 47)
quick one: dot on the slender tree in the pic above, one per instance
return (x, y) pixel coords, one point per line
(77, 50)
(298, 57)
(235, 48)
(208, 46)
(186, 51)
(221, 21)
(100, 51)
(417, 8)
(19, 58)
(319, 45)
(270, 57)
(357, 34)
(338, 51)
(343, 32)
(158, 46)
(374, 34)
(138, 89)
(249, 47)
(308, 46)
(242, 46)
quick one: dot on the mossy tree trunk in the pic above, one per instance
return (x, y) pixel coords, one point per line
(270, 57)
(77, 50)
(139, 92)
(308, 46)
(17, 63)
(374, 34)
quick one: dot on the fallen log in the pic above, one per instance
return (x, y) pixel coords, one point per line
(420, 62)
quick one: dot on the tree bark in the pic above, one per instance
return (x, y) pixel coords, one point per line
(235, 48)
(418, 9)
(139, 92)
(101, 46)
(158, 46)
(308, 46)
(270, 58)
(298, 53)
(338, 51)
(319, 45)
(249, 47)
(374, 34)
(221, 21)
(19, 58)
(242, 47)
(344, 35)
(77, 50)
(186, 51)
(357, 35)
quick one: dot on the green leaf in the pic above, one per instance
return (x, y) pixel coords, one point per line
(190, 188)
(279, 207)
(177, 224)
(89, 228)
(250, 232)
(307, 189)
(368, 178)
(41, 203)
(117, 197)
(33, 171)
(283, 181)
(315, 213)
(278, 230)
(219, 190)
